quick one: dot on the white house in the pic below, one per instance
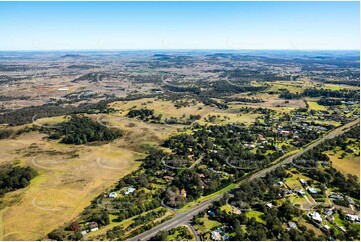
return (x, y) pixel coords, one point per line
(216, 236)
(352, 218)
(92, 226)
(312, 190)
(303, 182)
(316, 216)
(113, 195)
(129, 190)
(301, 192)
(336, 196)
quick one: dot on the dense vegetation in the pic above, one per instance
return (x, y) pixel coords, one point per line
(142, 113)
(330, 176)
(343, 93)
(26, 115)
(289, 95)
(5, 133)
(81, 130)
(182, 234)
(13, 178)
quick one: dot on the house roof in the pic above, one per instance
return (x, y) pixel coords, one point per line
(316, 216)
(292, 225)
(312, 190)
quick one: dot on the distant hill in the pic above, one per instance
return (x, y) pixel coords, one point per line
(70, 56)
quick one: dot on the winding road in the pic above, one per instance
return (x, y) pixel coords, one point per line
(183, 218)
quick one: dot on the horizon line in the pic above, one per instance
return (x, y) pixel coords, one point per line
(181, 49)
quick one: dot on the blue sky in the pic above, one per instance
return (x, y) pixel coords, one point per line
(179, 25)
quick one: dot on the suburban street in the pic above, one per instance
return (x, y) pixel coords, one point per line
(183, 218)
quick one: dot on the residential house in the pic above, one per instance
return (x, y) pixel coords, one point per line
(184, 193)
(341, 228)
(327, 212)
(270, 205)
(303, 182)
(352, 218)
(113, 195)
(316, 217)
(211, 213)
(301, 192)
(92, 226)
(201, 175)
(216, 236)
(292, 225)
(169, 178)
(350, 200)
(312, 190)
(336, 196)
(129, 190)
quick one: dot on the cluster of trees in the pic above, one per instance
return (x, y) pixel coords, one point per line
(329, 101)
(115, 233)
(286, 94)
(5, 133)
(224, 87)
(325, 93)
(190, 89)
(25, 115)
(148, 217)
(141, 113)
(132, 206)
(329, 176)
(244, 99)
(343, 93)
(148, 115)
(15, 177)
(355, 82)
(146, 227)
(81, 130)
(247, 75)
(9, 98)
(182, 232)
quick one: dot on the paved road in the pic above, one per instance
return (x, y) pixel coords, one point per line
(183, 218)
(196, 235)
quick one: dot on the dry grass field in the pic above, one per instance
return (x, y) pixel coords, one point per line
(64, 185)
(167, 109)
(70, 176)
(350, 164)
(272, 101)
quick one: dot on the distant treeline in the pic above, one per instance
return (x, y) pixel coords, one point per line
(243, 99)
(314, 92)
(9, 98)
(343, 93)
(25, 115)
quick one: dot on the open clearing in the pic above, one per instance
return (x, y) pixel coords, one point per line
(316, 106)
(350, 164)
(271, 101)
(167, 109)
